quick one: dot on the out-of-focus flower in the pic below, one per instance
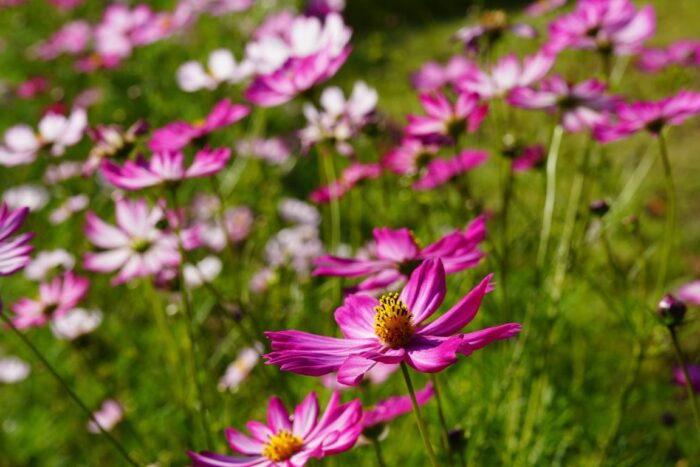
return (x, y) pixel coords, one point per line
(137, 247)
(323, 8)
(67, 4)
(396, 254)
(410, 157)
(14, 251)
(351, 176)
(262, 280)
(111, 142)
(690, 292)
(295, 247)
(69, 207)
(221, 68)
(72, 39)
(274, 151)
(693, 375)
(377, 375)
(222, 7)
(240, 368)
(298, 212)
(107, 417)
(580, 106)
(77, 322)
(389, 409)
(30, 196)
(391, 330)
(57, 173)
(13, 370)
(528, 158)
(671, 311)
(48, 261)
(446, 121)
(440, 171)
(491, 28)
(432, 76)
(608, 26)
(56, 298)
(287, 441)
(652, 116)
(163, 168)
(541, 7)
(682, 53)
(506, 75)
(32, 87)
(179, 134)
(238, 222)
(204, 271)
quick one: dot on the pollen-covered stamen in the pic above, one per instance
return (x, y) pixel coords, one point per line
(282, 446)
(393, 322)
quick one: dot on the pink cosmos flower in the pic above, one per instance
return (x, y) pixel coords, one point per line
(445, 121)
(410, 157)
(179, 134)
(397, 253)
(72, 39)
(111, 142)
(14, 252)
(221, 68)
(47, 262)
(393, 407)
(651, 116)
(491, 28)
(440, 171)
(108, 416)
(683, 53)
(541, 7)
(581, 106)
(32, 87)
(376, 376)
(66, 4)
(528, 158)
(239, 370)
(287, 440)
(609, 26)
(137, 247)
(690, 293)
(391, 330)
(70, 206)
(350, 177)
(507, 74)
(432, 76)
(163, 168)
(56, 298)
(693, 374)
(13, 369)
(274, 151)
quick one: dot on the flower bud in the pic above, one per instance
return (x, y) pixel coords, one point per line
(457, 439)
(599, 207)
(671, 311)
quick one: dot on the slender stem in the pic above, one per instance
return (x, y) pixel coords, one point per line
(441, 415)
(670, 217)
(37, 353)
(419, 419)
(688, 382)
(550, 195)
(329, 174)
(507, 194)
(378, 452)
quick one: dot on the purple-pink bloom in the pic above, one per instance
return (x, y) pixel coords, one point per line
(177, 135)
(72, 39)
(690, 293)
(137, 246)
(693, 374)
(396, 253)
(111, 412)
(393, 330)
(164, 167)
(393, 407)
(683, 53)
(540, 7)
(32, 87)
(432, 76)
(446, 121)
(291, 440)
(528, 158)
(350, 177)
(581, 106)
(409, 157)
(440, 171)
(491, 28)
(14, 252)
(56, 298)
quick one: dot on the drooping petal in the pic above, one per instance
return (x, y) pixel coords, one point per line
(425, 290)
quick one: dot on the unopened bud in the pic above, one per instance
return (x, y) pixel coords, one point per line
(671, 311)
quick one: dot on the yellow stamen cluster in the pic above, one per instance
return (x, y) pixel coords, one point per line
(393, 322)
(282, 446)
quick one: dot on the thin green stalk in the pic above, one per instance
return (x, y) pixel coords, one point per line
(688, 382)
(37, 353)
(670, 232)
(441, 415)
(507, 195)
(330, 176)
(550, 195)
(419, 419)
(378, 452)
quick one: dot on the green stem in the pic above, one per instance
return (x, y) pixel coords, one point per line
(670, 217)
(329, 175)
(378, 452)
(419, 419)
(37, 353)
(688, 382)
(550, 195)
(507, 194)
(441, 415)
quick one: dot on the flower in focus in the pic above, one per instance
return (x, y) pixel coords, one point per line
(137, 247)
(350, 177)
(69, 207)
(47, 261)
(177, 135)
(391, 330)
(396, 254)
(77, 322)
(111, 142)
(240, 368)
(682, 53)
(432, 76)
(541, 7)
(440, 171)
(491, 28)
(13, 370)
(56, 298)
(204, 271)
(693, 374)
(31, 196)
(445, 121)
(14, 251)
(221, 68)
(375, 418)
(107, 417)
(291, 441)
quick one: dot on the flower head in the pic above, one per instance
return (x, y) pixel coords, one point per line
(446, 121)
(13, 370)
(682, 53)
(47, 261)
(221, 68)
(693, 375)
(440, 171)
(491, 28)
(111, 412)
(350, 177)
(14, 251)
(111, 142)
(432, 76)
(75, 323)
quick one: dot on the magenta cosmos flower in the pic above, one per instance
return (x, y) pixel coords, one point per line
(163, 168)
(393, 407)
(56, 298)
(609, 26)
(410, 157)
(291, 440)
(440, 171)
(432, 76)
(137, 247)
(682, 53)
(350, 177)
(14, 252)
(652, 116)
(177, 135)
(581, 106)
(445, 121)
(527, 158)
(396, 253)
(392, 329)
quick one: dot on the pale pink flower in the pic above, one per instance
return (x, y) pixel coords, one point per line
(204, 271)
(32, 196)
(432, 76)
(47, 261)
(71, 39)
(56, 298)
(350, 177)
(274, 151)
(14, 251)
(107, 417)
(221, 68)
(77, 322)
(13, 370)
(240, 368)
(491, 28)
(70, 206)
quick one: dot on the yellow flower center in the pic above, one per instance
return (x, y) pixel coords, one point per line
(494, 20)
(282, 446)
(393, 322)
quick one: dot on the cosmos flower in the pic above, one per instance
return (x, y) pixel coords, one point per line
(608, 26)
(204, 271)
(322, 8)
(432, 76)
(376, 376)
(652, 116)
(56, 298)
(350, 177)
(693, 374)
(57, 173)
(179, 134)
(410, 157)
(32, 87)
(137, 247)
(48, 261)
(14, 251)
(294, 247)
(287, 441)
(446, 121)
(491, 28)
(391, 330)
(690, 293)
(240, 368)
(396, 254)
(298, 212)
(31, 195)
(581, 106)
(682, 53)
(541, 7)
(13, 370)
(389, 409)
(506, 75)
(440, 171)
(221, 68)
(164, 168)
(77, 322)
(71, 39)
(274, 151)
(70, 206)
(528, 158)
(111, 142)
(111, 412)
